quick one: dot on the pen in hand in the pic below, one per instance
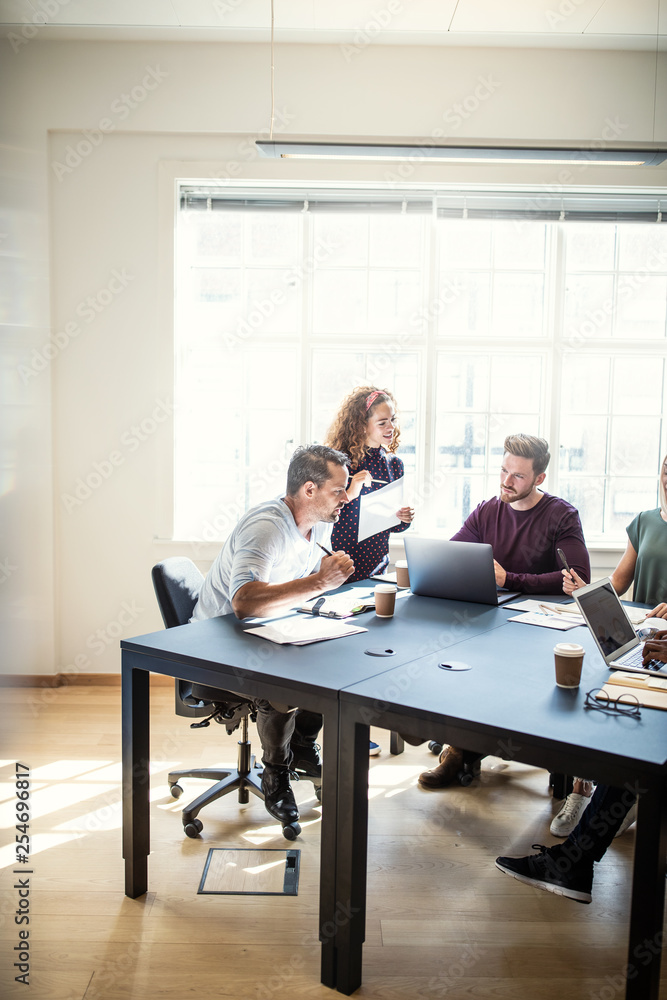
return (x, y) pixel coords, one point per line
(324, 548)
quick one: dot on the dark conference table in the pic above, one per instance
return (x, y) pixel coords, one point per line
(407, 691)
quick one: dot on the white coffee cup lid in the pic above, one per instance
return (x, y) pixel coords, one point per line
(385, 588)
(568, 649)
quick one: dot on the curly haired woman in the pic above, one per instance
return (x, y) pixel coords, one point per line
(366, 429)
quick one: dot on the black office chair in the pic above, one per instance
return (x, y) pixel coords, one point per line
(177, 583)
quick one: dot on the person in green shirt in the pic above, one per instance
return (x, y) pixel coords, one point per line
(644, 561)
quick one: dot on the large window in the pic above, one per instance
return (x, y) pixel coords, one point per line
(484, 315)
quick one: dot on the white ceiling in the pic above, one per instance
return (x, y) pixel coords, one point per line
(616, 24)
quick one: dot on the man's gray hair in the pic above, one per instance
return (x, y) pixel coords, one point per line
(310, 464)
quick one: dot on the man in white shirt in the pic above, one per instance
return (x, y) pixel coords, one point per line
(272, 561)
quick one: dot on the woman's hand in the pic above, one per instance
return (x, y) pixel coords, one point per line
(659, 612)
(406, 514)
(656, 648)
(572, 581)
(357, 482)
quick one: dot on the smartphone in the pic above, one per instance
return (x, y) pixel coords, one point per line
(561, 556)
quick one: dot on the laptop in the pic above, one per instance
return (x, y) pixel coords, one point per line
(612, 630)
(459, 571)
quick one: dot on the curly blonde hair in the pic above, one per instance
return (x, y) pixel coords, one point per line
(349, 428)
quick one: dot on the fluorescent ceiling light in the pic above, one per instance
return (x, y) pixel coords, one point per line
(425, 151)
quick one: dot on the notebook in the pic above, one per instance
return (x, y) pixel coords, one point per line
(459, 571)
(612, 630)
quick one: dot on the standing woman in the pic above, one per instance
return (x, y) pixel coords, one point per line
(366, 429)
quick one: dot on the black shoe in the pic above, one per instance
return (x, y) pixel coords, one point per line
(552, 870)
(306, 758)
(278, 795)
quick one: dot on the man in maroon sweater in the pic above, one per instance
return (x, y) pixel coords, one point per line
(525, 526)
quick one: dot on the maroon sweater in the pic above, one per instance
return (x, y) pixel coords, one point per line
(525, 542)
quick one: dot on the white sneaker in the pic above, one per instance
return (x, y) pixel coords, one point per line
(373, 749)
(630, 817)
(564, 823)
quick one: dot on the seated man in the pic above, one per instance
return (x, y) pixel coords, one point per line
(272, 561)
(525, 526)
(567, 869)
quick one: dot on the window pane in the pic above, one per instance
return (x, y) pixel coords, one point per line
(583, 444)
(585, 383)
(589, 247)
(587, 495)
(342, 239)
(463, 382)
(589, 305)
(627, 497)
(463, 304)
(635, 446)
(396, 240)
(642, 306)
(519, 245)
(638, 384)
(518, 305)
(393, 298)
(643, 248)
(339, 301)
(464, 244)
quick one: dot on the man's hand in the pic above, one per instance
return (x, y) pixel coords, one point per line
(659, 612)
(572, 581)
(656, 648)
(406, 514)
(501, 574)
(334, 570)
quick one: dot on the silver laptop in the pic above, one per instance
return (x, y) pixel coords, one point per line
(612, 630)
(459, 571)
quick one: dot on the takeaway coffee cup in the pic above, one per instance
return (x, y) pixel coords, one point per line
(568, 657)
(385, 598)
(402, 575)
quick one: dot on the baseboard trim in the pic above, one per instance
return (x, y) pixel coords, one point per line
(79, 679)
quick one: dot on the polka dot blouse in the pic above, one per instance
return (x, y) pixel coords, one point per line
(370, 557)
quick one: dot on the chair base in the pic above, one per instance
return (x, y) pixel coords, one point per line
(245, 777)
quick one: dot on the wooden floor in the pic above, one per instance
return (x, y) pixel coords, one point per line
(442, 921)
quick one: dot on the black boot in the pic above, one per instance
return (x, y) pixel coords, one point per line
(306, 757)
(278, 795)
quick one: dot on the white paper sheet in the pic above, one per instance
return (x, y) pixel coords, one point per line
(377, 510)
(299, 631)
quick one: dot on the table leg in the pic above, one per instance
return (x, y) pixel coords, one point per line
(352, 851)
(648, 897)
(136, 775)
(328, 845)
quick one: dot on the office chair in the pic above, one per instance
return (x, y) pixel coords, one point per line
(177, 583)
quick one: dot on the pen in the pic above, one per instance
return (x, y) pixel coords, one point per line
(383, 481)
(324, 549)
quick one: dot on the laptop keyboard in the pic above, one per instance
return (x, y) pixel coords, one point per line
(635, 659)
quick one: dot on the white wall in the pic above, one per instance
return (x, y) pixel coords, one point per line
(82, 569)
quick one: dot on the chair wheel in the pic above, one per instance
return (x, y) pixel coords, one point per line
(194, 828)
(435, 747)
(465, 778)
(291, 831)
(176, 790)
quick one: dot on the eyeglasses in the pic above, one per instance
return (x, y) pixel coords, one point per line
(626, 704)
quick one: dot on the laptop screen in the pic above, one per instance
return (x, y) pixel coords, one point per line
(607, 620)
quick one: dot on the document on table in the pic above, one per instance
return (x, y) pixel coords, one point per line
(299, 631)
(560, 622)
(377, 510)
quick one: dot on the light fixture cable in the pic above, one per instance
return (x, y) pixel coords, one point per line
(273, 99)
